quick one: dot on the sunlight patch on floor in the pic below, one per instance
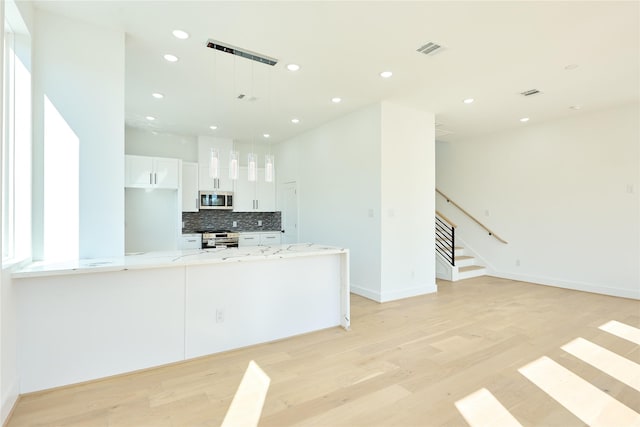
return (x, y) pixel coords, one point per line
(618, 367)
(481, 409)
(623, 331)
(593, 406)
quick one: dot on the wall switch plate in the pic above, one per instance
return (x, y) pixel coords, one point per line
(259, 223)
(219, 315)
(182, 224)
(235, 223)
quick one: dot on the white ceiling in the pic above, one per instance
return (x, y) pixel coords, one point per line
(493, 51)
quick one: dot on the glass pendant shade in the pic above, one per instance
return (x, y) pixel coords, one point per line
(214, 164)
(252, 167)
(268, 168)
(234, 157)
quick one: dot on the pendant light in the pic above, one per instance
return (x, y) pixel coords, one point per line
(252, 167)
(268, 167)
(214, 164)
(234, 158)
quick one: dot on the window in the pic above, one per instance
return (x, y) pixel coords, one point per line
(16, 139)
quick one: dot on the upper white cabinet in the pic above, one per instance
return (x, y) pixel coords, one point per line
(189, 187)
(151, 172)
(224, 147)
(222, 183)
(254, 196)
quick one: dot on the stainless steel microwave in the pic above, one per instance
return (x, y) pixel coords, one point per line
(216, 200)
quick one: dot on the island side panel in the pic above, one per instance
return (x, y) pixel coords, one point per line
(345, 291)
(237, 304)
(79, 327)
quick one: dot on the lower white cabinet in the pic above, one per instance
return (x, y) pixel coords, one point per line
(190, 241)
(266, 238)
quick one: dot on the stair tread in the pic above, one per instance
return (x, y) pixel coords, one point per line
(470, 268)
(461, 257)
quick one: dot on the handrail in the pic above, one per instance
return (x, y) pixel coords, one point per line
(448, 221)
(491, 233)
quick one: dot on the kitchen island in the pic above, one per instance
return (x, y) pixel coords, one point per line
(89, 319)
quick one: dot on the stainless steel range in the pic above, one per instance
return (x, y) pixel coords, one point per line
(219, 239)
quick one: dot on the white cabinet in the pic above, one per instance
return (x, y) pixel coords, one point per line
(151, 172)
(190, 241)
(224, 147)
(248, 239)
(259, 238)
(268, 239)
(223, 183)
(254, 196)
(189, 187)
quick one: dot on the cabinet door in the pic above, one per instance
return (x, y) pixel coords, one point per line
(166, 173)
(248, 239)
(138, 171)
(268, 239)
(223, 183)
(245, 195)
(265, 194)
(189, 187)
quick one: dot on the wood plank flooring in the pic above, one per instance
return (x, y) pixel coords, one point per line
(403, 363)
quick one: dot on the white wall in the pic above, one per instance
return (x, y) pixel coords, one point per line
(408, 205)
(336, 167)
(564, 194)
(142, 142)
(80, 68)
(365, 182)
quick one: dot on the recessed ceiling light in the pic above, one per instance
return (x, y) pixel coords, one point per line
(213, 127)
(386, 74)
(150, 118)
(571, 67)
(266, 135)
(296, 121)
(157, 95)
(179, 34)
(170, 58)
(293, 67)
(524, 119)
(468, 100)
(336, 100)
(576, 107)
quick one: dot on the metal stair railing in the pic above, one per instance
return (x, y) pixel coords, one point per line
(446, 238)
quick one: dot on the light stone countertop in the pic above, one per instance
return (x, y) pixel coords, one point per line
(145, 260)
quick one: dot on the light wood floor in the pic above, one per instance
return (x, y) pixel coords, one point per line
(404, 363)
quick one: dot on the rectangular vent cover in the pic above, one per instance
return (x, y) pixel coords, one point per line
(530, 92)
(227, 48)
(429, 48)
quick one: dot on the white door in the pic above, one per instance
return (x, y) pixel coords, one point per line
(290, 212)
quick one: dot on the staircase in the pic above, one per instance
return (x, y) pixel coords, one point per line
(466, 266)
(452, 261)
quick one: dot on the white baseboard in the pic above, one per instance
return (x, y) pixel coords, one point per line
(409, 292)
(394, 295)
(364, 292)
(576, 286)
(9, 399)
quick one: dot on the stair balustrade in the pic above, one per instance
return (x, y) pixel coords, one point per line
(446, 238)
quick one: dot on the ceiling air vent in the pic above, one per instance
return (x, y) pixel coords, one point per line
(429, 48)
(530, 92)
(222, 47)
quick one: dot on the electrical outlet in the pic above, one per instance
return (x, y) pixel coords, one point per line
(259, 223)
(235, 223)
(219, 315)
(517, 263)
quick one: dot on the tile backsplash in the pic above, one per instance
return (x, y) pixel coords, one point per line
(223, 220)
